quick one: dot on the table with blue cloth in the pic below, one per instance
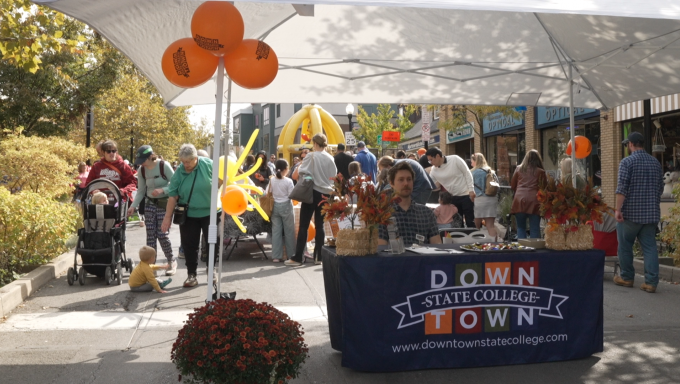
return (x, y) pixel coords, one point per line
(450, 310)
(254, 223)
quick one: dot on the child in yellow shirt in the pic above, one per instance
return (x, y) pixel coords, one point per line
(142, 278)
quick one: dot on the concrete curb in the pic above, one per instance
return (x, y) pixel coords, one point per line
(14, 293)
(668, 273)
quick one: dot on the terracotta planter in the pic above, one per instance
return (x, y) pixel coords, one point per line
(357, 242)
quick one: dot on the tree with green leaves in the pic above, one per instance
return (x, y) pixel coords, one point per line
(53, 100)
(133, 108)
(372, 126)
(473, 115)
(29, 31)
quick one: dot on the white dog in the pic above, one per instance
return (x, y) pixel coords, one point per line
(668, 186)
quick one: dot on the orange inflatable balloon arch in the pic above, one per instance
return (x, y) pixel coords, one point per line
(187, 65)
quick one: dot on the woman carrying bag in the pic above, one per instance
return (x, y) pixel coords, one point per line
(189, 190)
(153, 182)
(320, 166)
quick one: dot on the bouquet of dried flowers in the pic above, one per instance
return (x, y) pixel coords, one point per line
(239, 341)
(372, 207)
(564, 205)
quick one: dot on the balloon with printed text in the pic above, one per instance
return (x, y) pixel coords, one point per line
(252, 65)
(187, 65)
(217, 27)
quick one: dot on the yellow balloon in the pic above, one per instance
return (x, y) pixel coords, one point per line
(231, 168)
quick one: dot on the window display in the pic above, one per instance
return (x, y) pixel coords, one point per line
(504, 153)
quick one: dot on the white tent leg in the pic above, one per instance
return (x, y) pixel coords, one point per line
(212, 229)
(572, 128)
(227, 150)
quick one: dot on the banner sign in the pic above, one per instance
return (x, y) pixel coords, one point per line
(462, 133)
(420, 312)
(391, 136)
(498, 123)
(552, 116)
(419, 144)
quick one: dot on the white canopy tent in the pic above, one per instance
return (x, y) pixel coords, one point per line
(510, 52)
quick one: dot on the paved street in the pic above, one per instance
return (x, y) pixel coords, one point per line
(107, 334)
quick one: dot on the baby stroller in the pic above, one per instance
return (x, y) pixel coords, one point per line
(101, 241)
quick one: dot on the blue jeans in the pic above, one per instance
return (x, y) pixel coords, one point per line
(534, 225)
(626, 233)
(283, 226)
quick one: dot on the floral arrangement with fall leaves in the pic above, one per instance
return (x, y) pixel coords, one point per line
(372, 207)
(562, 205)
(239, 341)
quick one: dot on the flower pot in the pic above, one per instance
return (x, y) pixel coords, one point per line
(582, 239)
(556, 239)
(357, 242)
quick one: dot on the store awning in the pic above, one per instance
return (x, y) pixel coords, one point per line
(513, 52)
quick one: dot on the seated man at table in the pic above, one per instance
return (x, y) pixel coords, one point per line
(412, 218)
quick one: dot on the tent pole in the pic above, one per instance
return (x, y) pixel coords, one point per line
(212, 229)
(227, 150)
(572, 129)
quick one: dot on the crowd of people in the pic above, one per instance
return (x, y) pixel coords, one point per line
(155, 187)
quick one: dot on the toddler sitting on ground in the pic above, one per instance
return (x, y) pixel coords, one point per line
(142, 278)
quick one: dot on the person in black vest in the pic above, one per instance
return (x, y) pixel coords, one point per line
(342, 160)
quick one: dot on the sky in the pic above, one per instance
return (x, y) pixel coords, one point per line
(197, 112)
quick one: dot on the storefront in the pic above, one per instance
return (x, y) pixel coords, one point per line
(553, 122)
(460, 142)
(505, 144)
(665, 138)
(414, 145)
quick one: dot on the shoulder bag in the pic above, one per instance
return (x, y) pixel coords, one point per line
(267, 201)
(181, 210)
(304, 189)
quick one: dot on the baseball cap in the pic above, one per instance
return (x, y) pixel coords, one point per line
(361, 144)
(143, 153)
(635, 138)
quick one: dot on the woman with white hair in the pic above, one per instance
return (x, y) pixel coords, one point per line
(191, 184)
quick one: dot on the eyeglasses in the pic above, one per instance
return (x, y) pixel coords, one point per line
(111, 151)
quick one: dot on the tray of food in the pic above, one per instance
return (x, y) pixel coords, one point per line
(496, 247)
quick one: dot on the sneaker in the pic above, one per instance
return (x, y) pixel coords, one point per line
(317, 262)
(181, 253)
(165, 283)
(292, 263)
(277, 260)
(624, 283)
(191, 281)
(214, 275)
(173, 268)
(648, 288)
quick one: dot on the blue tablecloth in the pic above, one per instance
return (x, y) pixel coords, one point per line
(408, 312)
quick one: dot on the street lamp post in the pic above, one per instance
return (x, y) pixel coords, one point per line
(350, 111)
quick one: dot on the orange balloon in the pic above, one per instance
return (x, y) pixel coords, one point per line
(311, 232)
(186, 65)
(295, 202)
(234, 201)
(421, 151)
(252, 65)
(304, 137)
(217, 27)
(583, 147)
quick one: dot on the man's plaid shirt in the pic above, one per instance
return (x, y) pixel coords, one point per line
(418, 220)
(641, 181)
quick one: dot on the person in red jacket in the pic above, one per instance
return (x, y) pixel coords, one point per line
(113, 168)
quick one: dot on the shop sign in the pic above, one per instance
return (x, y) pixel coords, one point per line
(419, 144)
(499, 122)
(462, 133)
(552, 116)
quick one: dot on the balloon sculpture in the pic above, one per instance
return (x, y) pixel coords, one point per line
(314, 119)
(234, 197)
(583, 147)
(217, 29)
